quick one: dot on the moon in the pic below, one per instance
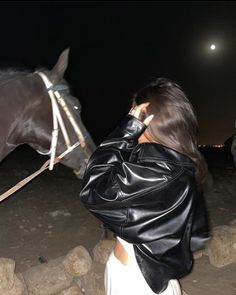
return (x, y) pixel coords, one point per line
(212, 47)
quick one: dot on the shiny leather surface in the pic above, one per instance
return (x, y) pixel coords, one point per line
(146, 194)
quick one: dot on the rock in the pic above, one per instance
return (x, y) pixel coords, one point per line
(102, 250)
(198, 254)
(18, 287)
(78, 261)
(7, 268)
(74, 290)
(93, 282)
(233, 223)
(222, 246)
(48, 278)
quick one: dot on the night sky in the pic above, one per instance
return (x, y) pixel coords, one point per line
(116, 47)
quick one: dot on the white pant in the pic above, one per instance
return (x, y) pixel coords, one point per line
(123, 279)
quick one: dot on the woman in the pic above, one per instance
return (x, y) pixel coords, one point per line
(145, 184)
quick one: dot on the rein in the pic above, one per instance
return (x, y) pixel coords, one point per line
(33, 175)
(56, 99)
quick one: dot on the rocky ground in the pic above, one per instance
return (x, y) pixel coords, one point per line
(45, 219)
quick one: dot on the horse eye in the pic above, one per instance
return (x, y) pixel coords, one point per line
(76, 107)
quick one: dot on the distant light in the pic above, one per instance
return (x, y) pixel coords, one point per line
(213, 145)
(218, 145)
(212, 47)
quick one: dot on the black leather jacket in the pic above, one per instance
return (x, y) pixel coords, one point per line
(146, 194)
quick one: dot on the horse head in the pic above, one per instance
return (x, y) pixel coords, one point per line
(70, 110)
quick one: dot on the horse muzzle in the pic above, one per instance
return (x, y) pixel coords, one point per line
(80, 172)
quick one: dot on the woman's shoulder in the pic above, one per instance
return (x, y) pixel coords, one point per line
(150, 151)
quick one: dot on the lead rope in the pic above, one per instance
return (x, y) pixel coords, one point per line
(32, 176)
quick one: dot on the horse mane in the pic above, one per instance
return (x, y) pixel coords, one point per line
(10, 73)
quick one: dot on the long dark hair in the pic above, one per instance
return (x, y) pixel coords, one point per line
(174, 124)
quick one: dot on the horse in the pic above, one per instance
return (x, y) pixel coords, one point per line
(230, 149)
(37, 109)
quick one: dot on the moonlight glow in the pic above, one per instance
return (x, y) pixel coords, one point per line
(212, 47)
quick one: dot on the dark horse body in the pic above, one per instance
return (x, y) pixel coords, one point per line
(26, 115)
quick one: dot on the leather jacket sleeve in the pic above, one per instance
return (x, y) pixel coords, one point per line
(109, 174)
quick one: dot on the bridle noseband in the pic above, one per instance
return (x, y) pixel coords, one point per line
(56, 99)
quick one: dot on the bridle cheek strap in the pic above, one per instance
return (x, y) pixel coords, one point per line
(58, 122)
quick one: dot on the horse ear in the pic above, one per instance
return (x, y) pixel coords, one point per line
(60, 67)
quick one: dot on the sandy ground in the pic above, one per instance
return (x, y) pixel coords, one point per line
(45, 219)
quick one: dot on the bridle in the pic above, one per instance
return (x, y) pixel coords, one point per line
(56, 100)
